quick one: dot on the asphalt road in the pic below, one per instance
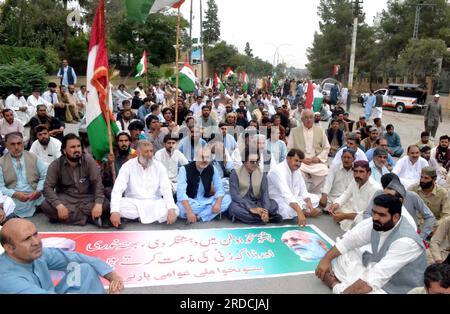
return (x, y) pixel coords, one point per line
(408, 125)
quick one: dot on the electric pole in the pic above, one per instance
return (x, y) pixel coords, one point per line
(190, 33)
(419, 7)
(357, 10)
(201, 37)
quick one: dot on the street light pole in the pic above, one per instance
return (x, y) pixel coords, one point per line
(357, 8)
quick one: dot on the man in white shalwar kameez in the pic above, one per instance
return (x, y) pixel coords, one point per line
(288, 189)
(17, 103)
(313, 141)
(348, 209)
(409, 168)
(36, 99)
(147, 188)
(394, 263)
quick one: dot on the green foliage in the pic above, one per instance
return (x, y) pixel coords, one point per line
(153, 75)
(422, 57)
(248, 51)
(46, 57)
(332, 45)
(24, 74)
(211, 25)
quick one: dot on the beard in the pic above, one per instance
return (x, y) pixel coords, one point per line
(311, 252)
(123, 152)
(45, 141)
(426, 186)
(145, 162)
(74, 158)
(378, 226)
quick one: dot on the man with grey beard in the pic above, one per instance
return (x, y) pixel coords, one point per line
(143, 190)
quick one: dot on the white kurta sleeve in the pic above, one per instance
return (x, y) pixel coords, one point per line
(345, 197)
(357, 237)
(165, 187)
(120, 185)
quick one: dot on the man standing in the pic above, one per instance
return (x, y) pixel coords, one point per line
(22, 176)
(73, 188)
(46, 148)
(432, 116)
(288, 189)
(54, 126)
(394, 144)
(66, 74)
(172, 159)
(395, 265)
(200, 192)
(143, 191)
(409, 167)
(249, 190)
(313, 142)
(378, 112)
(435, 197)
(17, 103)
(369, 103)
(350, 206)
(25, 266)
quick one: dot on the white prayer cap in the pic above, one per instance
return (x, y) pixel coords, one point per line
(437, 96)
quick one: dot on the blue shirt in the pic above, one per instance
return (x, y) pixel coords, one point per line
(24, 209)
(143, 112)
(369, 155)
(65, 79)
(35, 278)
(370, 101)
(393, 140)
(182, 188)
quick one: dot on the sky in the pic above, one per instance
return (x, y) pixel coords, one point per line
(284, 25)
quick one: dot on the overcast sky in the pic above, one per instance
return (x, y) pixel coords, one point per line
(267, 24)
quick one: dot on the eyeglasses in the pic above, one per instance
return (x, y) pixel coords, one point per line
(253, 162)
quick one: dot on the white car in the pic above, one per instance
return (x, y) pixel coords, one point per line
(402, 97)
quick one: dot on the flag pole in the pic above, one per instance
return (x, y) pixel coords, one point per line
(108, 123)
(177, 74)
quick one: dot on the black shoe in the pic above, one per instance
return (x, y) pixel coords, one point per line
(275, 219)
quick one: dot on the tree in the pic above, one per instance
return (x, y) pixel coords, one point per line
(248, 50)
(332, 45)
(422, 58)
(23, 74)
(211, 25)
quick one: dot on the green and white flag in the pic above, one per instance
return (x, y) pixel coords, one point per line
(142, 67)
(187, 79)
(138, 10)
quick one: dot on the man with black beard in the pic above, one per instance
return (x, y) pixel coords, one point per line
(441, 153)
(433, 195)
(73, 188)
(123, 153)
(395, 264)
(47, 148)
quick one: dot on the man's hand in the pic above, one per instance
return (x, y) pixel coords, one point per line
(301, 219)
(323, 267)
(115, 220)
(216, 208)
(2, 215)
(333, 208)
(338, 217)
(323, 201)
(97, 211)
(34, 196)
(307, 161)
(63, 212)
(111, 159)
(23, 109)
(115, 283)
(191, 218)
(21, 196)
(171, 216)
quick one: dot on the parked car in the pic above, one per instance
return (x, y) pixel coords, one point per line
(402, 97)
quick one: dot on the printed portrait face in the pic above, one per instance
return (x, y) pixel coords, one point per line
(308, 246)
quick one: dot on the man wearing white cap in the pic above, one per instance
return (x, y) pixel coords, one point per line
(433, 115)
